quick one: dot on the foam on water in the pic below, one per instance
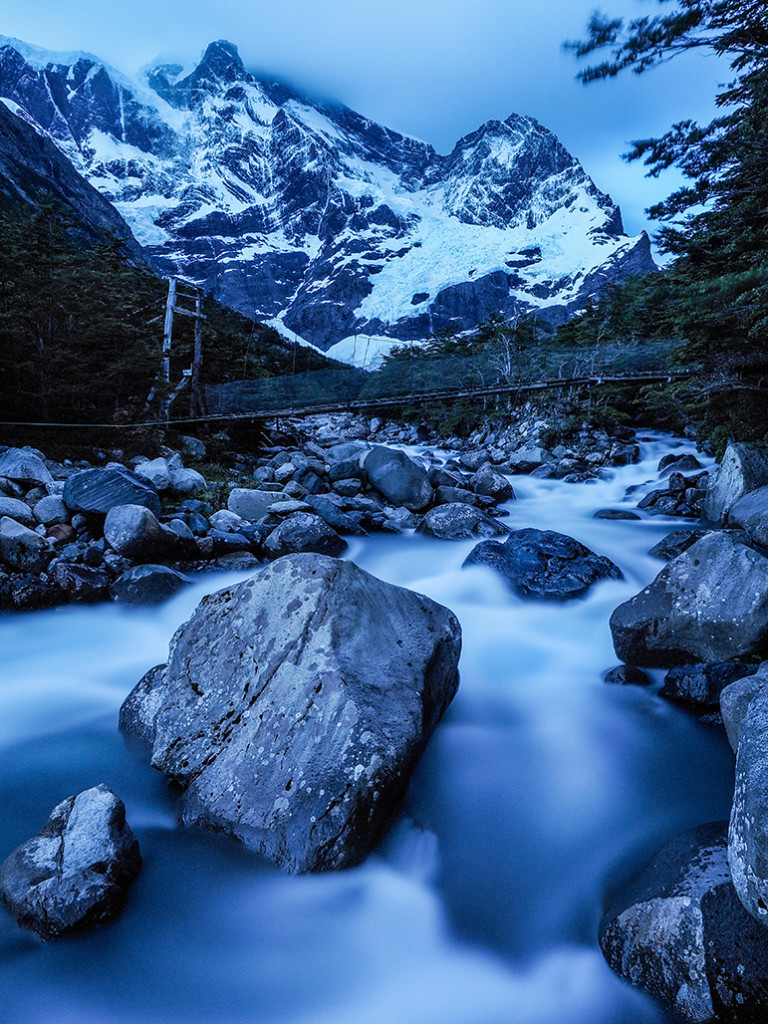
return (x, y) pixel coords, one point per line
(541, 787)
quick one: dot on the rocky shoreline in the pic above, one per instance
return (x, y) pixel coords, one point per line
(690, 929)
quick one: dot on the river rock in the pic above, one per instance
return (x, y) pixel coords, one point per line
(529, 458)
(702, 684)
(627, 675)
(742, 470)
(398, 478)
(186, 481)
(710, 604)
(250, 504)
(22, 548)
(455, 495)
(18, 510)
(675, 543)
(76, 871)
(82, 582)
(24, 467)
(155, 472)
(489, 481)
(147, 584)
(304, 532)
(99, 490)
(679, 933)
(736, 698)
(615, 513)
(544, 564)
(458, 521)
(683, 463)
(295, 705)
(748, 834)
(51, 509)
(134, 532)
(751, 513)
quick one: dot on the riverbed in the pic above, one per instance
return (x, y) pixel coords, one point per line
(542, 787)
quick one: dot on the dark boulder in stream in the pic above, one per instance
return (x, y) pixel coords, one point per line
(679, 933)
(294, 706)
(544, 564)
(76, 871)
(710, 604)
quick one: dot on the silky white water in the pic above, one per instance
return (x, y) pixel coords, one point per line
(541, 788)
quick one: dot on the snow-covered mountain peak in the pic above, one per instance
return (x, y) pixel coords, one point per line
(314, 217)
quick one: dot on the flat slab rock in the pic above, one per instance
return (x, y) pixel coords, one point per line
(543, 564)
(294, 706)
(679, 933)
(76, 871)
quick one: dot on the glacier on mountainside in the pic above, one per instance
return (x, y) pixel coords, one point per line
(314, 217)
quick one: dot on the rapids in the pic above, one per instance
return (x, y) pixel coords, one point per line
(541, 788)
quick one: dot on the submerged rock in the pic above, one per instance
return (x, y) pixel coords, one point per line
(544, 564)
(679, 933)
(710, 604)
(76, 871)
(294, 706)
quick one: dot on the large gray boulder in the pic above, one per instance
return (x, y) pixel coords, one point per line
(751, 513)
(294, 706)
(748, 835)
(76, 871)
(99, 490)
(134, 532)
(743, 469)
(398, 478)
(679, 933)
(543, 564)
(458, 521)
(155, 472)
(24, 467)
(710, 604)
(22, 548)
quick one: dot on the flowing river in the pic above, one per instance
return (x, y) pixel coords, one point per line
(541, 787)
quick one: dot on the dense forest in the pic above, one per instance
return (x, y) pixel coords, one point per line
(81, 329)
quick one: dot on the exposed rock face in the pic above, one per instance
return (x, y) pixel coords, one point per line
(544, 564)
(77, 869)
(294, 706)
(458, 521)
(99, 490)
(299, 196)
(748, 834)
(33, 168)
(679, 933)
(398, 478)
(710, 604)
(743, 469)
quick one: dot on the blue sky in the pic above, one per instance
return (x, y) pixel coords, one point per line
(436, 70)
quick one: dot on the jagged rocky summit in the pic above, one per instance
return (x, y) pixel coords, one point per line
(314, 218)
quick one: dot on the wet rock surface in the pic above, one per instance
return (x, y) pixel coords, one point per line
(679, 933)
(543, 564)
(294, 706)
(76, 872)
(710, 604)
